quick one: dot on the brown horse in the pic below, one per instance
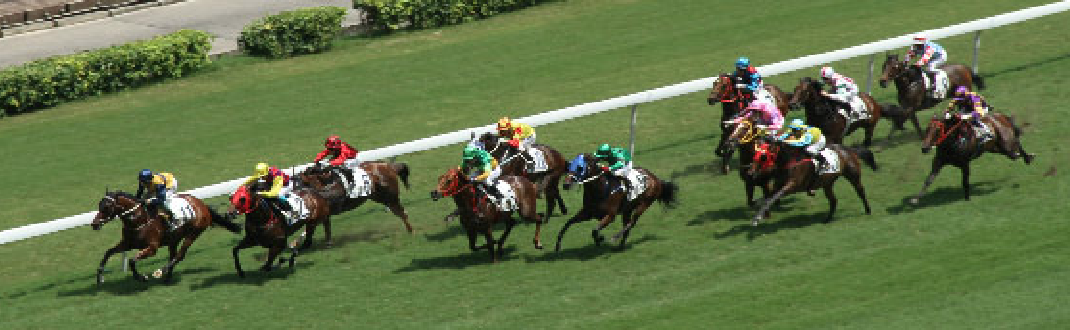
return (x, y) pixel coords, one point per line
(793, 171)
(263, 227)
(604, 198)
(957, 144)
(732, 103)
(910, 86)
(823, 112)
(514, 163)
(147, 232)
(479, 214)
(386, 180)
(745, 136)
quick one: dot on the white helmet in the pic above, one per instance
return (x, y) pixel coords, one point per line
(827, 72)
(919, 39)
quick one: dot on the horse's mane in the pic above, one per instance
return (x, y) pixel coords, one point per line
(120, 193)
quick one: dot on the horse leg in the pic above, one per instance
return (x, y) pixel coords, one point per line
(245, 243)
(831, 196)
(509, 224)
(579, 217)
(914, 120)
(399, 211)
(556, 190)
(937, 165)
(273, 253)
(306, 237)
(635, 214)
(748, 187)
(596, 234)
(107, 254)
(724, 162)
(869, 129)
(966, 179)
(764, 210)
(172, 250)
(132, 263)
(176, 258)
(856, 182)
(489, 233)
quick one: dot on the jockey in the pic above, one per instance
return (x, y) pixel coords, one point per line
(929, 56)
(478, 165)
(844, 90)
(972, 106)
(801, 135)
(769, 117)
(159, 189)
(747, 79)
(520, 136)
(280, 186)
(618, 159)
(341, 154)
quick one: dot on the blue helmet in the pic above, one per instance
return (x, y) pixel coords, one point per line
(742, 63)
(144, 176)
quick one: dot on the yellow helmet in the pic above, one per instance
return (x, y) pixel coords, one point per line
(504, 124)
(261, 169)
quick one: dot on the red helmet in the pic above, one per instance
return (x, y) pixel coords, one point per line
(333, 142)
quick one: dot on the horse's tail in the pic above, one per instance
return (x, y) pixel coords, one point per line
(668, 194)
(1017, 130)
(222, 220)
(867, 157)
(978, 81)
(403, 172)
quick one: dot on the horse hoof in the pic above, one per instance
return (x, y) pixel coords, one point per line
(914, 201)
(241, 274)
(158, 273)
(538, 246)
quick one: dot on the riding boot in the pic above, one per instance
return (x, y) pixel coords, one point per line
(174, 222)
(819, 164)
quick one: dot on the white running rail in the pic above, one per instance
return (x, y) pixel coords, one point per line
(581, 110)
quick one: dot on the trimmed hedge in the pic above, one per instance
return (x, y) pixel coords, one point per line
(47, 82)
(422, 14)
(302, 31)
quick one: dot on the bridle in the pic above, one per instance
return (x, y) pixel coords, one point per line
(125, 215)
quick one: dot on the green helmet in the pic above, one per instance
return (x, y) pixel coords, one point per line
(603, 150)
(470, 153)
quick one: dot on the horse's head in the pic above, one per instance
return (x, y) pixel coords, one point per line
(581, 169)
(449, 184)
(807, 90)
(744, 131)
(765, 159)
(108, 208)
(243, 200)
(891, 69)
(723, 90)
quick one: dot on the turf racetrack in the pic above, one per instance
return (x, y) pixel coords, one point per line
(998, 261)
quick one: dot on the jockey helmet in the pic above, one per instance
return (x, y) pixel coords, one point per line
(960, 92)
(603, 150)
(505, 124)
(920, 39)
(144, 176)
(333, 142)
(742, 63)
(470, 153)
(261, 169)
(797, 124)
(827, 72)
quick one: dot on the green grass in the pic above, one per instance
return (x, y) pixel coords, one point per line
(996, 261)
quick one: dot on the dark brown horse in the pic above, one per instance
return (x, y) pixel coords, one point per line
(479, 215)
(513, 163)
(386, 180)
(745, 136)
(732, 103)
(264, 227)
(604, 198)
(793, 171)
(957, 144)
(147, 232)
(910, 86)
(823, 112)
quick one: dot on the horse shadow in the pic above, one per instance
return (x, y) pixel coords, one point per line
(124, 287)
(457, 261)
(588, 251)
(253, 276)
(712, 169)
(771, 226)
(945, 195)
(739, 212)
(451, 232)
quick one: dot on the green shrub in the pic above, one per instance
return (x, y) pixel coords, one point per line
(302, 31)
(422, 14)
(53, 80)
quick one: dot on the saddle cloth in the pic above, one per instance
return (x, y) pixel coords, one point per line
(764, 95)
(832, 162)
(180, 207)
(508, 201)
(858, 108)
(363, 185)
(300, 209)
(940, 84)
(637, 181)
(538, 161)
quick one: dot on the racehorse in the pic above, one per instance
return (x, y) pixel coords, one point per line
(910, 86)
(732, 103)
(385, 188)
(823, 113)
(263, 227)
(479, 214)
(513, 163)
(793, 171)
(957, 144)
(745, 136)
(604, 198)
(148, 232)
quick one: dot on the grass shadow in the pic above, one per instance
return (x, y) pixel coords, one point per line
(127, 285)
(945, 195)
(451, 232)
(588, 251)
(252, 276)
(770, 226)
(457, 261)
